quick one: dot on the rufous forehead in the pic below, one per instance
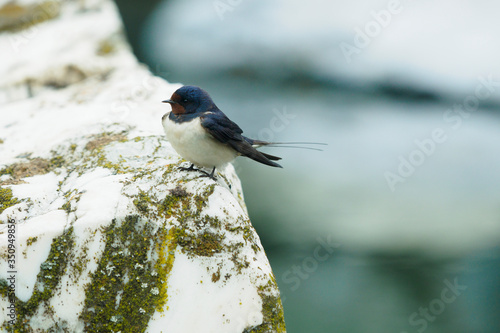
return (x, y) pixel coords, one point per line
(175, 97)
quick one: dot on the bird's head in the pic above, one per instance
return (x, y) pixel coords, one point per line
(189, 100)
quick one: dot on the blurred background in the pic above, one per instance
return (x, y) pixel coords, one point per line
(395, 226)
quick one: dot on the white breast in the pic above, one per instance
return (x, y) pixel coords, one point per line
(194, 144)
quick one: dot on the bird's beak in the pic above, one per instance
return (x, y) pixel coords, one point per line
(169, 101)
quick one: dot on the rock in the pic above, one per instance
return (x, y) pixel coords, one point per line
(104, 233)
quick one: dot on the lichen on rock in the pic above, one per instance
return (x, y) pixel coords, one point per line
(160, 216)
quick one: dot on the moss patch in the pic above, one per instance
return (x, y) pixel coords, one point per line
(207, 244)
(127, 286)
(15, 17)
(108, 45)
(31, 240)
(272, 310)
(186, 207)
(6, 199)
(104, 139)
(35, 166)
(97, 156)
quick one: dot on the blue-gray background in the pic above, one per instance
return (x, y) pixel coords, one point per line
(395, 226)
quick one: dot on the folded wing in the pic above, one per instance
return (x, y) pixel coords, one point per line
(225, 131)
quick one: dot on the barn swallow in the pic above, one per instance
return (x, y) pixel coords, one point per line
(203, 135)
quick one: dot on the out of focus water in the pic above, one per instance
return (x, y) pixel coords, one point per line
(395, 226)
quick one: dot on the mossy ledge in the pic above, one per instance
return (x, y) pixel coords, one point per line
(168, 213)
(127, 286)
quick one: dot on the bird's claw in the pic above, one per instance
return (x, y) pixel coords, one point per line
(208, 175)
(204, 173)
(191, 168)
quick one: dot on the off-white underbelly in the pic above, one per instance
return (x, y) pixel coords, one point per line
(194, 144)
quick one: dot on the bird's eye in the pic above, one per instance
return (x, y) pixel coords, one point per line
(185, 100)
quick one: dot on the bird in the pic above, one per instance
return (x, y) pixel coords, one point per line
(203, 135)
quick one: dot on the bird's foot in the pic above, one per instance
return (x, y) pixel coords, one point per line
(191, 168)
(204, 173)
(209, 175)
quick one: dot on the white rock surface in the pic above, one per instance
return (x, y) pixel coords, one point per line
(110, 236)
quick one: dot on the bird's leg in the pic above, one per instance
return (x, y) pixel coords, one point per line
(212, 174)
(204, 173)
(191, 168)
(209, 175)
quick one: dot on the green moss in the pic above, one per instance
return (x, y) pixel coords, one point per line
(142, 202)
(127, 286)
(81, 260)
(4, 288)
(6, 199)
(51, 271)
(201, 200)
(70, 196)
(106, 47)
(164, 264)
(7, 171)
(272, 310)
(207, 244)
(248, 234)
(239, 263)
(56, 162)
(103, 162)
(169, 205)
(169, 170)
(31, 240)
(180, 204)
(216, 276)
(67, 207)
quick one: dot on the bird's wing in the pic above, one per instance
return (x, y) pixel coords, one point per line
(227, 132)
(221, 127)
